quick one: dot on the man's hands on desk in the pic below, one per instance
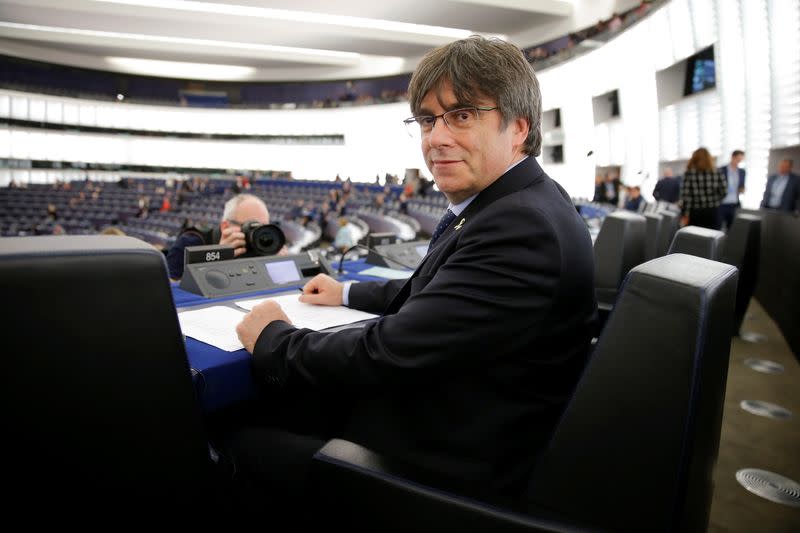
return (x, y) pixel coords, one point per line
(321, 290)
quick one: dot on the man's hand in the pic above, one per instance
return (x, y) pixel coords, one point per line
(256, 320)
(322, 290)
(233, 236)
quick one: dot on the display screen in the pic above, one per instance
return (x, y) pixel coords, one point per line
(700, 72)
(282, 271)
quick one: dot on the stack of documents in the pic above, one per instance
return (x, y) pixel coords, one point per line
(216, 325)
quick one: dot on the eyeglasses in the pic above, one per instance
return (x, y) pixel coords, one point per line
(457, 120)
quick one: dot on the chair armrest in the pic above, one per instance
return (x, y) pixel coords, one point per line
(357, 486)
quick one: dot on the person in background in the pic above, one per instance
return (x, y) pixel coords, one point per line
(668, 188)
(470, 365)
(702, 190)
(238, 210)
(599, 190)
(611, 187)
(634, 201)
(112, 230)
(783, 189)
(344, 236)
(735, 177)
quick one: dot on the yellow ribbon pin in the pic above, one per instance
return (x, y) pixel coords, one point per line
(458, 226)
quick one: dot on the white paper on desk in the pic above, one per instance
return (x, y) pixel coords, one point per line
(213, 325)
(316, 317)
(388, 273)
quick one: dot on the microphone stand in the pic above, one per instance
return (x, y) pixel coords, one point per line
(340, 270)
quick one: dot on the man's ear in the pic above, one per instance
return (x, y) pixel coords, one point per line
(520, 128)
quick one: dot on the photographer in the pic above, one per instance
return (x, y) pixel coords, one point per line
(238, 210)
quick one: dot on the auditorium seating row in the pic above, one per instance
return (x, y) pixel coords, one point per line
(88, 207)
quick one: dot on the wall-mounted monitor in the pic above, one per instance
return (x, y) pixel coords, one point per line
(700, 72)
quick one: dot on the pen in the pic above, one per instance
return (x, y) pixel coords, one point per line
(315, 291)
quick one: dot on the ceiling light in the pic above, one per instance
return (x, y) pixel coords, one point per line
(307, 17)
(178, 69)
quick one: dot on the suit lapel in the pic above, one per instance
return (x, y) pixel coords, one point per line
(519, 177)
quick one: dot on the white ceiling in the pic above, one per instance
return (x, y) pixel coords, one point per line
(275, 39)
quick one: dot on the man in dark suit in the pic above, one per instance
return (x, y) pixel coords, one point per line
(668, 188)
(473, 358)
(736, 177)
(783, 189)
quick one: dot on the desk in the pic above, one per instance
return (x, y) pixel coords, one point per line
(226, 378)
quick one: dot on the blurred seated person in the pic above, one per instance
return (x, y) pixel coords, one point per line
(403, 200)
(599, 190)
(344, 236)
(611, 189)
(783, 189)
(668, 188)
(238, 210)
(112, 230)
(634, 202)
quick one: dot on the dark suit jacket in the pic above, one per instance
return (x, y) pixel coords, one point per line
(790, 201)
(742, 175)
(668, 189)
(470, 366)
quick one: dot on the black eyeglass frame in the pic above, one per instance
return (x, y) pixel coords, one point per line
(415, 120)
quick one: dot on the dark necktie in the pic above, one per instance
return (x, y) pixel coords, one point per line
(445, 221)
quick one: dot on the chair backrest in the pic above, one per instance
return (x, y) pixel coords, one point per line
(700, 242)
(102, 404)
(636, 447)
(655, 225)
(618, 248)
(743, 249)
(671, 222)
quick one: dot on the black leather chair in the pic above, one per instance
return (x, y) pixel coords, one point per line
(634, 450)
(670, 224)
(702, 242)
(742, 249)
(655, 225)
(102, 410)
(619, 246)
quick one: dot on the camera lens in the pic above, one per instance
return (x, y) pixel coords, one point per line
(263, 239)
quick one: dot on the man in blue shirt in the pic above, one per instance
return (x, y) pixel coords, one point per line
(783, 189)
(736, 178)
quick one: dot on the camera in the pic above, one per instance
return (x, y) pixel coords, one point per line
(262, 239)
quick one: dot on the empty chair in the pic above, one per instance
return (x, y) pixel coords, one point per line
(702, 242)
(634, 450)
(103, 411)
(619, 247)
(670, 223)
(742, 250)
(655, 225)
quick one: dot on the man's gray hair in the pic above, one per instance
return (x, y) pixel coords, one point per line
(231, 205)
(477, 68)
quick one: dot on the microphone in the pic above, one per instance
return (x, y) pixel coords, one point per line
(365, 247)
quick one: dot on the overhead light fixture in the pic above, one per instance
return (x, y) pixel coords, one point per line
(157, 42)
(308, 17)
(179, 69)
